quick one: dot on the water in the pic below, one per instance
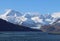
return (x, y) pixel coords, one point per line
(28, 36)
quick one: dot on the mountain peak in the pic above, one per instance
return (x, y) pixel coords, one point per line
(10, 12)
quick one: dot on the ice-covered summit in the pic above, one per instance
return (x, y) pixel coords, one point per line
(10, 12)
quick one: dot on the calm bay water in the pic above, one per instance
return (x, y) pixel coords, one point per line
(28, 36)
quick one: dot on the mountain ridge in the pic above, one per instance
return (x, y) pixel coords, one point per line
(29, 19)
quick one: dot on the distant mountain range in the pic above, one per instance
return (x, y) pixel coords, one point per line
(32, 20)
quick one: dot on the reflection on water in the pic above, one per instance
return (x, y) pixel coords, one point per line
(28, 36)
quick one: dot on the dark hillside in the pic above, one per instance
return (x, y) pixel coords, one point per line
(7, 26)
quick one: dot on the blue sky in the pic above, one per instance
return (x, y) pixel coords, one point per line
(41, 6)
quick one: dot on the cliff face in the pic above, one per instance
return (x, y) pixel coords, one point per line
(47, 28)
(7, 26)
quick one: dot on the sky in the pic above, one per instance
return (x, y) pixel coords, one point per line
(41, 6)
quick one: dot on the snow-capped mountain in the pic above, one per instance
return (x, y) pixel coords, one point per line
(13, 16)
(29, 19)
(10, 12)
